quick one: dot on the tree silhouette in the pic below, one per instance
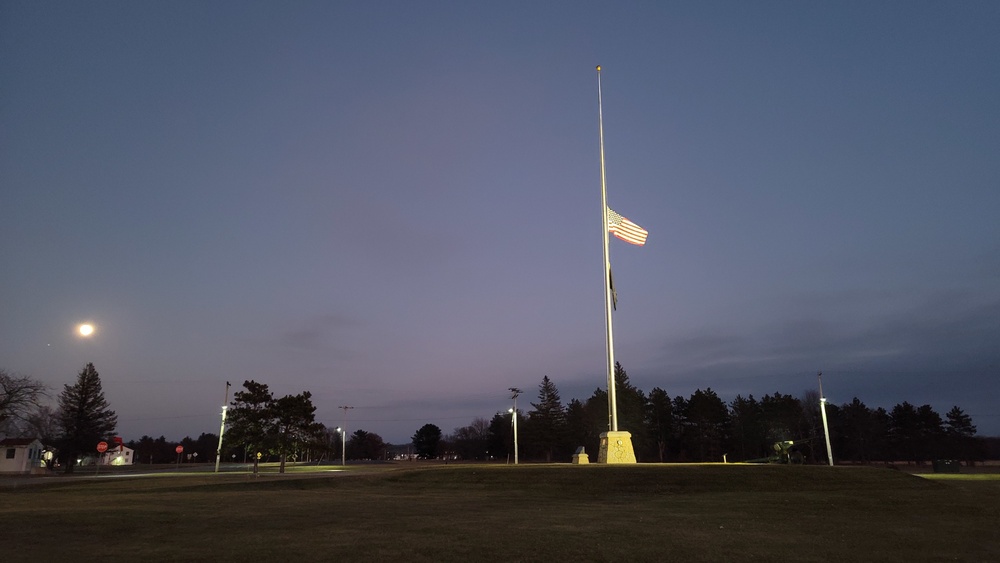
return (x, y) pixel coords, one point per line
(19, 398)
(660, 421)
(546, 424)
(251, 418)
(706, 418)
(472, 441)
(749, 433)
(84, 417)
(426, 440)
(295, 424)
(365, 445)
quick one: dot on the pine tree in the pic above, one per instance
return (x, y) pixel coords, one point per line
(295, 424)
(84, 416)
(660, 420)
(426, 441)
(631, 409)
(958, 423)
(547, 421)
(251, 418)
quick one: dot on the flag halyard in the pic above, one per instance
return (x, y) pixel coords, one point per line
(626, 230)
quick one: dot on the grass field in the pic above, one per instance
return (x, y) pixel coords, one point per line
(413, 512)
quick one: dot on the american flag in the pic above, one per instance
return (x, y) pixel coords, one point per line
(625, 229)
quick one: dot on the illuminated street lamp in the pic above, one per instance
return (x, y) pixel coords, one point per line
(826, 428)
(222, 430)
(514, 392)
(343, 447)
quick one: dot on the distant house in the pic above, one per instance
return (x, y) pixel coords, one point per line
(117, 455)
(21, 455)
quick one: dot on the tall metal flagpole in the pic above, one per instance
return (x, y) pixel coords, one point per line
(608, 304)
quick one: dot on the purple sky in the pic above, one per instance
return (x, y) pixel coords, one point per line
(396, 206)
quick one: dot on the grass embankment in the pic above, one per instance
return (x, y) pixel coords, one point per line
(523, 513)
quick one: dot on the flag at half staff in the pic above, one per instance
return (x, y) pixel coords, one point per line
(626, 230)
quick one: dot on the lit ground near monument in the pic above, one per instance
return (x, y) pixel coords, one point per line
(419, 512)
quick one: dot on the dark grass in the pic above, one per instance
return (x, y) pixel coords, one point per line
(523, 513)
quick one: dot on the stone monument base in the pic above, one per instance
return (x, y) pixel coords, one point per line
(616, 447)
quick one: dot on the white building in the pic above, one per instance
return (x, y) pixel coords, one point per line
(117, 455)
(21, 455)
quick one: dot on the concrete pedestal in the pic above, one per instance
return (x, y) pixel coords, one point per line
(616, 447)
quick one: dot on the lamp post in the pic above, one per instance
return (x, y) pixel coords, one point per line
(222, 429)
(514, 392)
(343, 447)
(826, 428)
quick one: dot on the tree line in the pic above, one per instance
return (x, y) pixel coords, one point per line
(702, 427)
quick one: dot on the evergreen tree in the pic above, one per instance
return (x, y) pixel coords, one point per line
(958, 423)
(904, 432)
(598, 419)
(365, 445)
(295, 424)
(930, 432)
(501, 436)
(84, 417)
(660, 420)
(632, 412)
(577, 426)
(960, 432)
(426, 440)
(857, 432)
(546, 425)
(784, 418)
(749, 439)
(708, 418)
(251, 418)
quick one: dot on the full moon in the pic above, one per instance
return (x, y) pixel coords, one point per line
(86, 330)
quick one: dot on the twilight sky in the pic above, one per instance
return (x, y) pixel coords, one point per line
(396, 205)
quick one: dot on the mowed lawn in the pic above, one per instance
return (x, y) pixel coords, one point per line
(411, 512)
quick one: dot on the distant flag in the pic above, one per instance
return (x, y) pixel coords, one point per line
(614, 294)
(626, 230)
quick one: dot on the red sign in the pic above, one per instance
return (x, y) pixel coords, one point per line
(179, 449)
(102, 447)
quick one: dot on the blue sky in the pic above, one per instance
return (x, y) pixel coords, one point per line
(396, 205)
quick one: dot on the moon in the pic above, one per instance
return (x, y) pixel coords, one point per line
(86, 329)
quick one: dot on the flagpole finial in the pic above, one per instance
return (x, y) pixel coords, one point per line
(598, 68)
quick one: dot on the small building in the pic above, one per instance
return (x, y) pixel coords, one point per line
(22, 455)
(117, 455)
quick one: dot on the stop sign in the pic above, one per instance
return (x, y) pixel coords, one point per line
(102, 447)
(179, 449)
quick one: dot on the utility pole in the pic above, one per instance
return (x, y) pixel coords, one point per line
(826, 428)
(514, 392)
(343, 436)
(222, 429)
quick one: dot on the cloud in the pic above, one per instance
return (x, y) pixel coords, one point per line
(320, 333)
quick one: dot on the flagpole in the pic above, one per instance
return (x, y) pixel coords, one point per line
(608, 304)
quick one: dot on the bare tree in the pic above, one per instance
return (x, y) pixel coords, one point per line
(20, 396)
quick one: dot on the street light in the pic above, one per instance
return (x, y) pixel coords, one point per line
(222, 429)
(514, 392)
(343, 447)
(826, 428)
